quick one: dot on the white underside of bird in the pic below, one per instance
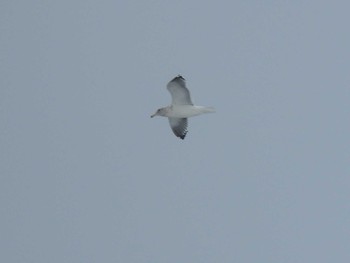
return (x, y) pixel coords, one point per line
(184, 111)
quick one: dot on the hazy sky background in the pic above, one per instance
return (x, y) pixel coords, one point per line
(87, 176)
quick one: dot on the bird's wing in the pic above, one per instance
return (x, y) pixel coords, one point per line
(179, 126)
(179, 93)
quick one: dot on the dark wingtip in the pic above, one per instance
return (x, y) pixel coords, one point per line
(179, 77)
(182, 136)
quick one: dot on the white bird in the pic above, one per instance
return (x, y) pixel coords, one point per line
(181, 107)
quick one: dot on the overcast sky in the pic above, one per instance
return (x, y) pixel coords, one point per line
(87, 176)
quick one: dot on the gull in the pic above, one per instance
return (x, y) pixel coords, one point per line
(181, 107)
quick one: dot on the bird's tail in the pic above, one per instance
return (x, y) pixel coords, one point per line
(209, 109)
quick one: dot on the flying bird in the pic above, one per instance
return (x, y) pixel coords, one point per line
(181, 107)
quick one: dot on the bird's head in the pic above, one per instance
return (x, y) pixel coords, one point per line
(159, 112)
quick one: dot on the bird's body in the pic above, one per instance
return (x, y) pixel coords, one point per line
(184, 111)
(181, 107)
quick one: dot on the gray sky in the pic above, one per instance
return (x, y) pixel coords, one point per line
(87, 176)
